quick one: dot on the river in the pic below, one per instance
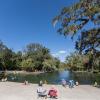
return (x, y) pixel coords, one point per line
(56, 77)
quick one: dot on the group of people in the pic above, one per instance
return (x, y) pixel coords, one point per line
(52, 92)
(42, 92)
(70, 83)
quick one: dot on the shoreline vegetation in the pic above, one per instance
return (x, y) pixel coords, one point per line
(37, 58)
(40, 72)
(23, 72)
(34, 57)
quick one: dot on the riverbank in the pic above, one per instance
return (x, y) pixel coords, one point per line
(23, 72)
(18, 91)
(98, 72)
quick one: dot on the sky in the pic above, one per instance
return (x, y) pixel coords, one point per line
(30, 21)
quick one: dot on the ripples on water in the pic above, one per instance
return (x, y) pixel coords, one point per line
(56, 77)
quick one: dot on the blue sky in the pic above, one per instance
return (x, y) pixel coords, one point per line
(30, 21)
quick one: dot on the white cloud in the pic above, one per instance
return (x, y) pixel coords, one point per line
(59, 53)
(55, 54)
(62, 52)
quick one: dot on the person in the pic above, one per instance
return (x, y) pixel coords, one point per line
(4, 79)
(41, 83)
(26, 82)
(42, 92)
(64, 83)
(45, 82)
(95, 84)
(77, 83)
(53, 93)
(71, 83)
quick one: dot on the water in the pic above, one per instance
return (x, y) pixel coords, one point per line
(56, 77)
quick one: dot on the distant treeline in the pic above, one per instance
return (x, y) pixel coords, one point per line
(34, 57)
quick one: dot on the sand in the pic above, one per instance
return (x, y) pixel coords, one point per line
(19, 91)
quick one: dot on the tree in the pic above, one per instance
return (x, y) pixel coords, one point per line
(2, 47)
(57, 62)
(51, 64)
(38, 54)
(76, 61)
(28, 65)
(34, 57)
(73, 20)
(89, 41)
(17, 59)
(5, 56)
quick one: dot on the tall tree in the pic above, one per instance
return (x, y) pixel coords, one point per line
(75, 17)
(38, 54)
(89, 41)
(5, 56)
(73, 20)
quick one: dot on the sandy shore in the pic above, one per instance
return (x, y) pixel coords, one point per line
(18, 91)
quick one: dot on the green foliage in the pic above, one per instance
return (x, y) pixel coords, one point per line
(5, 56)
(75, 17)
(38, 54)
(51, 64)
(34, 57)
(88, 40)
(28, 65)
(75, 61)
(89, 43)
(82, 62)
(73, 20)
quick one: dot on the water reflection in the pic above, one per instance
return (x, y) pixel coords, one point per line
(56, 77)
